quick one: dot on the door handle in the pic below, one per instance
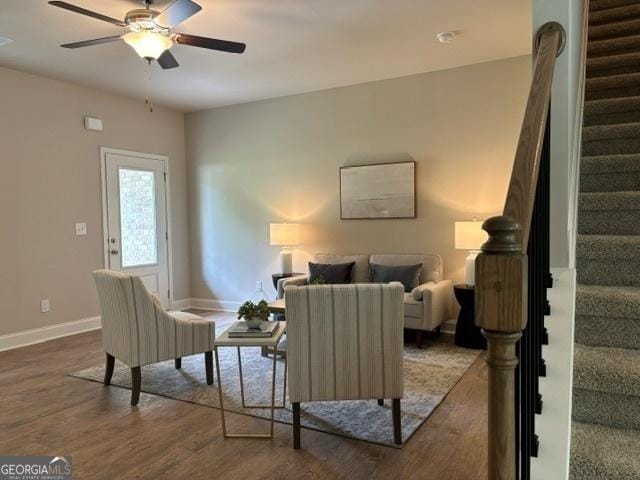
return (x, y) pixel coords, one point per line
(114, 252)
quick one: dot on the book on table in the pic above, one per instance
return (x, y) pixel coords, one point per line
(241, 329)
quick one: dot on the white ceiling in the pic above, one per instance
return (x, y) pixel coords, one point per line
(293, 46)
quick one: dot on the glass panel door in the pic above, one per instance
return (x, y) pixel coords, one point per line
(138, 232)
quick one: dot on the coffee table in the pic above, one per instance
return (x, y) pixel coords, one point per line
(271, 342)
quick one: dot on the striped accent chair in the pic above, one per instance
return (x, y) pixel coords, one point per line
(345, 342)
(138, 331)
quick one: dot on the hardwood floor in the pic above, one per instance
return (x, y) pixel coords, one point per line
(43, 411)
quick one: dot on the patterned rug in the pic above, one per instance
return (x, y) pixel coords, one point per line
(429, 374)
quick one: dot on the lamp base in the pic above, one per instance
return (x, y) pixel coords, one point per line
(286, 261)
(471, 267)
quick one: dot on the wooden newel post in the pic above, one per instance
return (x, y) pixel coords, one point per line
(500, 295)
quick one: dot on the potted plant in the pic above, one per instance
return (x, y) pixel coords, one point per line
(254, 314)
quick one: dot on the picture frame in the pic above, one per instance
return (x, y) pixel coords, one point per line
(378, 191)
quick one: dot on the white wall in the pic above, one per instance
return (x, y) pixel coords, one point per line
(278, 159)
(50, 179)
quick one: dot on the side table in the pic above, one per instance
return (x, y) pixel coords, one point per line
(272, 342)
(467, 334)
(277, 276)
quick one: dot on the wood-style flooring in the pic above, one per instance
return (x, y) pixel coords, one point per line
(43, 411)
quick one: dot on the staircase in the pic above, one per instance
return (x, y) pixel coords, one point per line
(606, 388)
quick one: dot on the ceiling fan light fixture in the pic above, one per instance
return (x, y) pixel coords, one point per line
(148, 44)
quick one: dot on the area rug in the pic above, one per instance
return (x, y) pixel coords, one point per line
(429, 374)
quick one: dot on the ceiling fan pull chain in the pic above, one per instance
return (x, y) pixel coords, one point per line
(147, 101)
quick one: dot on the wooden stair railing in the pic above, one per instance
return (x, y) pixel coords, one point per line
(501, 292)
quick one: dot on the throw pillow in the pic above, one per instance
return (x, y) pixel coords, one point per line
(408, 275)
(330, 273)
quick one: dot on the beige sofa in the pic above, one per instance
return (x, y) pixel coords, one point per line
(425, 308)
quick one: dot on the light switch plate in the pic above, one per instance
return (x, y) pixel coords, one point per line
(81, 228)
(44, 305)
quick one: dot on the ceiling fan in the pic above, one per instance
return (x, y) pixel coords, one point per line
(150, 32)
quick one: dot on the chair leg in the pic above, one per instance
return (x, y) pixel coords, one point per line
(397, 426)
(208, 365)
(296, 425)
(136, 381)
(108, 371)
(381, 401)
(178, 362)
(419, 338)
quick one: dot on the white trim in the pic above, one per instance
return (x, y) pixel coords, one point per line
(218, 305)
(181, 304)
(103, 174)
(554, 425)
(43, 334)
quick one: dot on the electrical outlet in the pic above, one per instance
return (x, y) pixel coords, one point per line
(44, 305)
(259, 285)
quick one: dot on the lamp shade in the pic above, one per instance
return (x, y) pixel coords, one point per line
(469, 235)
(284, 234)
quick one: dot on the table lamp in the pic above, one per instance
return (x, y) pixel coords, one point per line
(470, 236)
(286, 235)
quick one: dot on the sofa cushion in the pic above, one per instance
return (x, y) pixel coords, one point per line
(431, 264)
(360, 272)
(407, 275)
(411, 307)
(330, 273)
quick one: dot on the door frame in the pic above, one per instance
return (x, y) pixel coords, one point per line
(167, 198)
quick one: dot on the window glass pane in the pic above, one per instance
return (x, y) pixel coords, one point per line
(139, 244)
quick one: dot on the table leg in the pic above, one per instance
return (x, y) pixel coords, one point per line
(224, 427)
(284, 389)
(273, 390)
(241, 378)
(284, 394)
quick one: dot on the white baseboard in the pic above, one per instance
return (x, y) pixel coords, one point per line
(181, 304)
(219, 305)
(43, 334)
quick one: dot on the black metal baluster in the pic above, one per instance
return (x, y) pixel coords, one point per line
(529, 349)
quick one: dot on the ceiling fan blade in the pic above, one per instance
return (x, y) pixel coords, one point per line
(176, 13)
(210, 43)
(88, 43)
(88, 13)
(167, 60)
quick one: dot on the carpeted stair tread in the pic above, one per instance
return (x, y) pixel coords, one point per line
(605, 201)
(609, 213)
(612, 105)
(608, 111)
(608, 247)
(604, 453)
(597, 5)
(601, 164)
(614, 13)
(614, 29)
(606, 301)
(605, 369)
(613, 45)
(614, 86)
(610, 173)
(605, 408)
(608, 260)
(607, 132)
(607, 331)
(611, 139)
(620, 63)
